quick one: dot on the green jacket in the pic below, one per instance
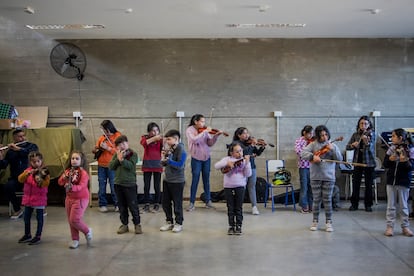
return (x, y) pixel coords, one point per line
(125, 171)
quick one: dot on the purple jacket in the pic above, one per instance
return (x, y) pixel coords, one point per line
(199, 143)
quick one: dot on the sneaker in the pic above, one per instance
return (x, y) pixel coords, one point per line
(368, 209)
(411, 215)
(167, 227)
(177, 228)
(304, 211)
(255, 211)
(209, 205)
(103, 209)
(116, 209)
(74, 244)
(191, 207)
(389, 232)
(314, 226)
(35, 240)
(17, 215)
(123, 229)
(146, 208)
(88, 237)
(138, 229)
(156, 208)
(45, 213)
(407, 232)
(230, 231)
(353, 208)
(25, 238)
(329, 227)
(238, 230)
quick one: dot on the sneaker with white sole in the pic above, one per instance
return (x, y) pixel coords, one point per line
(209, 205)
(314, 226)
(191, 207)
(88, 237)
(74, 244)
(328, 226)
(177, 228)
(25, 238)
(255, 211)
(103, 209)
(18, 214)
(167, 227)
(116, 209)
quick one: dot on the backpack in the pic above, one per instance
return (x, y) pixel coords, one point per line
(281, 177)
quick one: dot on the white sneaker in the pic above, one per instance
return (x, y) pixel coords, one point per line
(255, 211)
(88, 237)
(191, 207)
(103, 209)
(329, 227)
(314, 226)
(116, 209)
(167, 227)
(177, 228)
(74, 244)
(209, 205)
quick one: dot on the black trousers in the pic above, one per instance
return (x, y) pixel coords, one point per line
(127, 199)
(235, 198)
(369, 174)
(172, 193)
(147, 186)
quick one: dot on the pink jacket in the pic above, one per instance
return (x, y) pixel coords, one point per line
(79, 191)
(33, 195)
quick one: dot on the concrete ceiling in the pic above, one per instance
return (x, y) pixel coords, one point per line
(158, 19)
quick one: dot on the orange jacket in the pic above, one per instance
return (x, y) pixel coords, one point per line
(106, 155)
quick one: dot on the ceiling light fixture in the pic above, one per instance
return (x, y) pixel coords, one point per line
(375, 11)
(29, 10)
(129, 10)
(66, 26)
(263, 8)
(276, 25)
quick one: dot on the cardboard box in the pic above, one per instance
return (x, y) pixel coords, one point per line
(6, 123)
(37, 115)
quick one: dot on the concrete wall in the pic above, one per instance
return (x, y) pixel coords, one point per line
(133, 82)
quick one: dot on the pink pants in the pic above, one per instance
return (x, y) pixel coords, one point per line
(75, 208)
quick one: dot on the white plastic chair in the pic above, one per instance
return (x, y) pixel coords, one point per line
(271, 167)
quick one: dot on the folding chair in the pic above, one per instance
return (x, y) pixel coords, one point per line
(271, 167)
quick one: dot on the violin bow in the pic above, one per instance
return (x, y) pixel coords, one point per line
(344, 162)
(211, 115)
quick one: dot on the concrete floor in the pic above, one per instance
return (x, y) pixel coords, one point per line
(276, 243)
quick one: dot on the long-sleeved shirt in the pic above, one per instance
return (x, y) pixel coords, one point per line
(324, 171)
(199, 143)
(125, 170)
(364, 153)
(80, 190)
(18, 159)
(106, 155)
(34, 195)
(152, 155)
(175, 165)
(300, 144)
(399, 173)
(236, 177)
(252, 151)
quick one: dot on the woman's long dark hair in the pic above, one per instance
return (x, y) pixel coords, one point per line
(195, 117)
(318, 132)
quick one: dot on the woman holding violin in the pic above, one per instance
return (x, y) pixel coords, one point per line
(104, 150)
(151, 164)
(200, 139)
(253, 148)
(362, 142)
(306, 197)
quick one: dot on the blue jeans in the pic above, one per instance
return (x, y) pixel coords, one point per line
(105, 174)
(27, 217)
(251, 187)
(198, 167)
(306, 198)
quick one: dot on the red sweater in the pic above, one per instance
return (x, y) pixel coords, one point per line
(152, 155)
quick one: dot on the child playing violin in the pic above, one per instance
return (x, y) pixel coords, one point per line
(199, 144)
(399, 160)
(322, 174)
(362, 142)
(251, 148)
(234, 183)
(151, 166)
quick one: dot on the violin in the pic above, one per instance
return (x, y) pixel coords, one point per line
(308, 141)
(236, 164)
(212, 131)
(258, 142)
(325, 148)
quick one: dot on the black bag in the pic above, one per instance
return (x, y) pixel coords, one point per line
(260, 191)
(98, 153)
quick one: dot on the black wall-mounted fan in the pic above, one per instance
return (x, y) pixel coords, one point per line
(68, 60)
